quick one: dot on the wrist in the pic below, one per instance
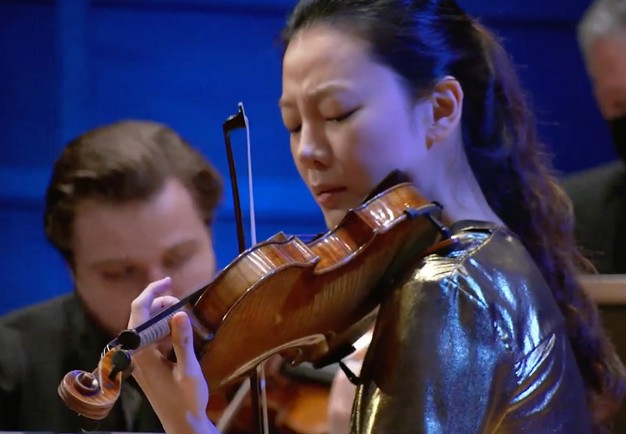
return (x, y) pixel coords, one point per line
(192, 425)
(201, 424)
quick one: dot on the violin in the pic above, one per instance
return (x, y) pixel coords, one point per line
(306, 302)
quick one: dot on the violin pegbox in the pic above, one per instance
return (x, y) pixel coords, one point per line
(93, 394)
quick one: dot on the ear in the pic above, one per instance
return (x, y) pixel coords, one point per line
(447, 107)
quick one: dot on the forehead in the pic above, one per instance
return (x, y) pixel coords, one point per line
(139, 228)
(327, 51)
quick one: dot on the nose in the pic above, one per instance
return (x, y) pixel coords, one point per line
(314, 151)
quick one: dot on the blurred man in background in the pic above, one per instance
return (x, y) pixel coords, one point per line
(127, 204)
(599, 194)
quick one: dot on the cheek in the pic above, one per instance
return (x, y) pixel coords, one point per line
(364, 150)
(603, 103)
(398, 144)
(109, 304)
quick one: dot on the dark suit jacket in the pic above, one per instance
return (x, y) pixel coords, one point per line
(38, 346)
(599, 197)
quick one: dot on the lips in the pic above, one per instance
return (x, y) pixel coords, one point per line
(327, 195)
(326, 188)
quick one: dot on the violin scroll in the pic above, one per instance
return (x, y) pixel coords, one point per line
(93, 394)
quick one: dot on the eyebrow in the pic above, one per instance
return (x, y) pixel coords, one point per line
(184, 244)
(319, 92)
(109, 263)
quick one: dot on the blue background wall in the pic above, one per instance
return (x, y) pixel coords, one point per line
(69, 65)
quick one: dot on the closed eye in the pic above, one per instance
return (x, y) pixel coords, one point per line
(295, 130)
(343, 116)
(113, 274)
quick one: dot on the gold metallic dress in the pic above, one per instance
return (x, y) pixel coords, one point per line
(471, 341)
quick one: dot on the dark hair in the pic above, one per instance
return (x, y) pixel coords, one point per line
(123, 162)
(425, 40)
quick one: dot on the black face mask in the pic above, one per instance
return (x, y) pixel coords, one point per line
(618, 133)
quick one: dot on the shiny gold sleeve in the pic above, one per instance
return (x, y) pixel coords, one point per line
(471, 342)
(432, 366)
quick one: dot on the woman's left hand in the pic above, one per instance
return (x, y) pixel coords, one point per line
(177, 391)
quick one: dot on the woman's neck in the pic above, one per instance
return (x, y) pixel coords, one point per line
(454, 185)
(466, 201)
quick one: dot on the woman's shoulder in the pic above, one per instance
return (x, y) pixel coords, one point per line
(491, 268)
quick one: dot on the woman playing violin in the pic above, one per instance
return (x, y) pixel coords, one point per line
(493, 336)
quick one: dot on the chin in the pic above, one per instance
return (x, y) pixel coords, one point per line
(333, 218)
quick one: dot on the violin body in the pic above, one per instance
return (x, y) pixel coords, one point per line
(309, 302)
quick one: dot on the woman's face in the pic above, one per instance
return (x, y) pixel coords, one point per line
(350, 119)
